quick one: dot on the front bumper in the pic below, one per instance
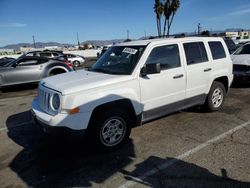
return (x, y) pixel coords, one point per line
(60, 122)
(62, 131)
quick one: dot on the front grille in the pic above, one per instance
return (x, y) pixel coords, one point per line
(44, 96)
(241, 68)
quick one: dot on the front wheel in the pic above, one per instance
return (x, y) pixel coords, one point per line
(76, 63)
(216, 97)
(110, 129)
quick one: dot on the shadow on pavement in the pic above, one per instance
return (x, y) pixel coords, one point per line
(62, 162)
(21, 87)
(172, 172)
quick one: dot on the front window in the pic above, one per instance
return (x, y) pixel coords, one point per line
(243, 50)
(119, 60)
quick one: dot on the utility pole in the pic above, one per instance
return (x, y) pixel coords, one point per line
(34, 42)
(78, 42)
(199, 28)
(145, 34)
(127, 34)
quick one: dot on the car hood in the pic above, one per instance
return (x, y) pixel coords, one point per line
(82, 80)
(241, 59)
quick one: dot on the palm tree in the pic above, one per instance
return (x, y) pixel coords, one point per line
(158, 9)
(175, 5)
(167, 14)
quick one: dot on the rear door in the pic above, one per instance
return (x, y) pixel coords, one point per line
(25, 70)
(198, 68)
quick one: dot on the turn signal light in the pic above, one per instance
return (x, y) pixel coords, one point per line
(74, 111)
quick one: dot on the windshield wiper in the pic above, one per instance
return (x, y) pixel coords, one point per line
(98, 70)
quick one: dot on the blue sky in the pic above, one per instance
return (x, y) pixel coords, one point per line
(60, 20)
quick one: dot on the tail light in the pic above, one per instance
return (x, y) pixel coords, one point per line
(69, 63)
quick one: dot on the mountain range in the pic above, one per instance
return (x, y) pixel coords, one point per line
(43, 44)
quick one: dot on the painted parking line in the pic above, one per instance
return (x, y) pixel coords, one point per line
(169, 163)
(19, 125)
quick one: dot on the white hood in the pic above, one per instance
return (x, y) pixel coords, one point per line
(241, 59)
(76, 81)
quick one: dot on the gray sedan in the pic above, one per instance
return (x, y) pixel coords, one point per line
(31, 69)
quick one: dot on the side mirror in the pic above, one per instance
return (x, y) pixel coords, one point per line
(151, 69)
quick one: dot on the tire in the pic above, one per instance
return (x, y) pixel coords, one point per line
(56, 72)
(51, 74)
(109, 129)
(76, 63)
(216, 97)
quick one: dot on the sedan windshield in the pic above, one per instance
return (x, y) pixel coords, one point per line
(243, 50)
(119, 60)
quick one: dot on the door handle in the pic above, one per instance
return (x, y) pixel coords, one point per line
(207, 70)
(178, 76)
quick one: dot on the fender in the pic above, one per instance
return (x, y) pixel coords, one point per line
(52, 67)
(88, 101)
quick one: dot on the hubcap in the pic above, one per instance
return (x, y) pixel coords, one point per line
(113, 131)
(217, 97)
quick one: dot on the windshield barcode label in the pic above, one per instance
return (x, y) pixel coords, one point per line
(130, 51)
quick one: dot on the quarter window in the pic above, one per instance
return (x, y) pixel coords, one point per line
(217, 50)
(195, 53)
(168, 56)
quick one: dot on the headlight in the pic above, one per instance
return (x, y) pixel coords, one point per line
(55, 102)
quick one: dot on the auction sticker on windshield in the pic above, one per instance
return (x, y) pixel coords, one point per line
(130, 51)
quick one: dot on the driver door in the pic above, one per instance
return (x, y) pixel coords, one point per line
(23, 71)
(162, 93)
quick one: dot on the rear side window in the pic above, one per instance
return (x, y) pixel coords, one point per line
(217, 50)
(45, 54)
(168, 56)
(195, 53)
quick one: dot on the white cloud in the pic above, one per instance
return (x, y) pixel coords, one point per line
(237, 12)
(13, 25)
(240, 12)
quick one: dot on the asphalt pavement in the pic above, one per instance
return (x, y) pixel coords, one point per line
(191, 148)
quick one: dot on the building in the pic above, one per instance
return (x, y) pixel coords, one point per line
(52, 48)
(244, 34)
(232, 35)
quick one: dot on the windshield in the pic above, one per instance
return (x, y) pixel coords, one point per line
(119, 60)
(243, 50)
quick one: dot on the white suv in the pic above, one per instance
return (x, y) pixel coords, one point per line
(133, 83)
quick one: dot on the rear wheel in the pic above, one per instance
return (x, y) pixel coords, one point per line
(110, 129)
(216, 97)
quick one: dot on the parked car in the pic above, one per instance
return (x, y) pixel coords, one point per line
(45, 53)
(104, 49)
(31, 69)
(133, 83)
(241, 62)
(230, 45)
(76, 60)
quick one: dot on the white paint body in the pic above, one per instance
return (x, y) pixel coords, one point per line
(87, 90)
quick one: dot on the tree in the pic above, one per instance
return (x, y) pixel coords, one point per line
(175, 5)
(158, 9)
(205, 33)
(167, 14)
